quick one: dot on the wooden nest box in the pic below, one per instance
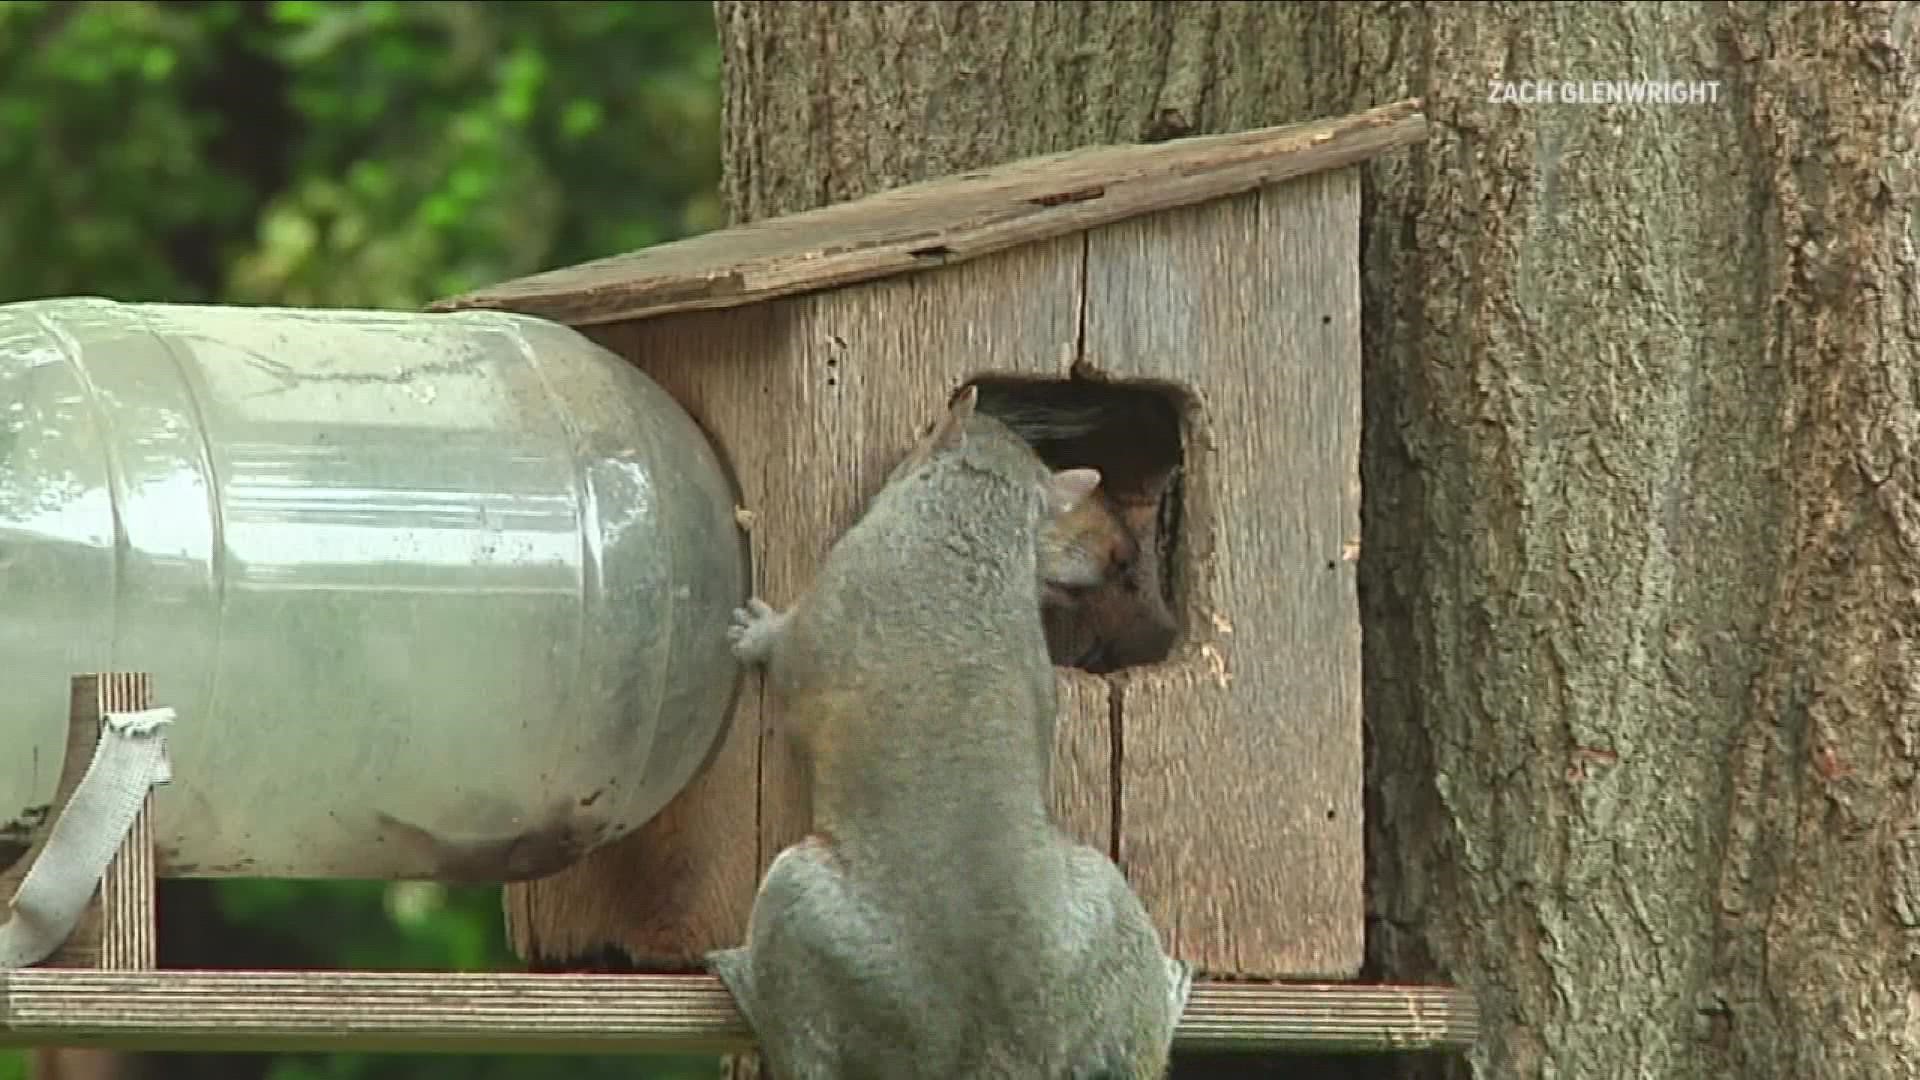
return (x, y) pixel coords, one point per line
(1218, 275)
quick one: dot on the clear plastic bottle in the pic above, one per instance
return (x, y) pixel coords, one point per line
(433, 595)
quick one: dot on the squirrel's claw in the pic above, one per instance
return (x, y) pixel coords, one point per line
(754, 630)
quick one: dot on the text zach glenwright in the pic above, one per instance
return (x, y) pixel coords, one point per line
(1603, 92)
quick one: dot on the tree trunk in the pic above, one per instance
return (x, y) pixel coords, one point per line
(1641, 522)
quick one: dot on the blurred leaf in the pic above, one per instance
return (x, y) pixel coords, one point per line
(351, 154)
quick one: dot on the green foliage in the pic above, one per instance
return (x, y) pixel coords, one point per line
(372, 926)
(352, 153)
(376, 153)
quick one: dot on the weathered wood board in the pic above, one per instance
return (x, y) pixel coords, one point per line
(129, 933)
(1238, 806)
(1241, 770)
(927, 225)
(811, 400)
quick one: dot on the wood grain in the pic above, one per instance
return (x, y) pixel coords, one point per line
(1083, 759)
(810, 400)
(126, 900)
(1240, 770)
(553, 1014)
(941, 222)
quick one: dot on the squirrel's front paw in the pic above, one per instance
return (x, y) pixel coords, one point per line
(755, 629)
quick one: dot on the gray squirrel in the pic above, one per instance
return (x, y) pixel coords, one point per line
(937, 922)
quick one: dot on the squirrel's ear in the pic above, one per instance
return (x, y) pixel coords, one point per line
(949, 433)
(960, 409)
(1067, 488)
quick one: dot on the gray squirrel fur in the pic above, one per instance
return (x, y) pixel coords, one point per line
(937, 923)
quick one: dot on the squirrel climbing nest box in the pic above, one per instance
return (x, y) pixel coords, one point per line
(1204, 297)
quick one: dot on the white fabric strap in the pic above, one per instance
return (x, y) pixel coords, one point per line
(129, 760)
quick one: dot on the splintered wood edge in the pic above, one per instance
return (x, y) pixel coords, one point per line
(467, 1012)
(944, 221)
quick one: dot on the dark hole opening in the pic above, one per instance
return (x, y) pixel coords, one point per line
(1115, 609)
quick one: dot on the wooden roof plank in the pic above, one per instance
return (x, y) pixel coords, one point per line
(943, 221)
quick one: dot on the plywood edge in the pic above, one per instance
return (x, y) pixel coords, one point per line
(129, 937)
(469, 1012)
(940, 222)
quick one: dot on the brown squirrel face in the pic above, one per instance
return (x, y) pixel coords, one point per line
(1101, 600)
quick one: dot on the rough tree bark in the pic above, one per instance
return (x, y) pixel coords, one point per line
(1641, 533)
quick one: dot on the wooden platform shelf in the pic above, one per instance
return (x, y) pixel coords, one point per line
(553, 1014)
(103, 990)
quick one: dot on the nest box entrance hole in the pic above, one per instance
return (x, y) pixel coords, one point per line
(1131, 432)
